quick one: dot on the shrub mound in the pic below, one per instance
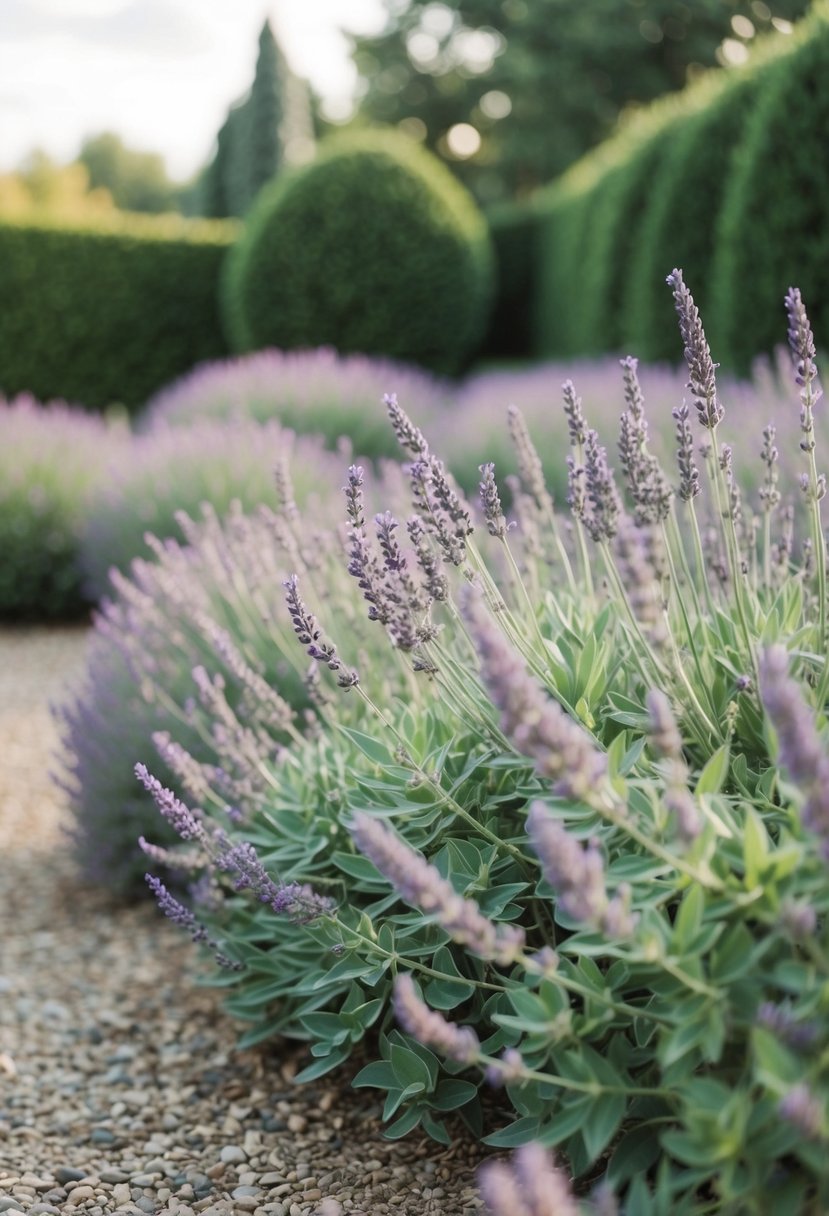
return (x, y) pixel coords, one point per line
(316, 392)
(52, 462)
(571, 845)
(374, 248)
(170, 469)
(108, 314)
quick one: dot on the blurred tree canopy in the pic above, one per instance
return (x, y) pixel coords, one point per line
(510, 92)
(270, 127)
(137, 181)
(42, 186)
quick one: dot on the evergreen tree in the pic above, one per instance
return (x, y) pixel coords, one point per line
(268, 128)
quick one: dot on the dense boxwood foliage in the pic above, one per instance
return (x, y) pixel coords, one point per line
(374, 247)
(774, 223)
(570, 838)
(52, 462)
(107, 314)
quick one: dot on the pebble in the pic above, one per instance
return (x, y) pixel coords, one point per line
(231, 1154)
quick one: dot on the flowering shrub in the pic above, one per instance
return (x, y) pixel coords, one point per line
(208, 605)
(51, 462)
(169, 470)
(577, 849)
(312, 391)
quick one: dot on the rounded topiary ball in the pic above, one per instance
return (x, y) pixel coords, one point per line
(374, 247)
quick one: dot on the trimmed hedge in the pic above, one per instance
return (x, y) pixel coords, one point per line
(678, 228)
(373, 248)
(106, 314)
(514, 228)
(773, 229)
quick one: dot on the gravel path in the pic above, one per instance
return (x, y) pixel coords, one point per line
(120, 1089)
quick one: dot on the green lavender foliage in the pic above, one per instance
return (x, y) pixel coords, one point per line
(372, 248)
(578, 846)
(773, 225)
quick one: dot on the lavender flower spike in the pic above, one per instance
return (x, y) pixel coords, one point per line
(310, 635)
(423, 886)
(180, 817)
(538, 726)
(801, 751)
(803, 1110)
(697, 354)
(530, 1186)
(801, 343)
(455, 1042)
(577, 876)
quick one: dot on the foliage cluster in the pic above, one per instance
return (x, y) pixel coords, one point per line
(568, 835)
(682, 181)
(374, 247)
(107, 313)
(52, 464)
(561, 71)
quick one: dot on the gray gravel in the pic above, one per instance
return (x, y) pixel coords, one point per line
(120, 1087)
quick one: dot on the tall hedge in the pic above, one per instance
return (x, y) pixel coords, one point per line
(512, 323)
(372, 248)
(774, 225)
(679, 223)
(106, 314)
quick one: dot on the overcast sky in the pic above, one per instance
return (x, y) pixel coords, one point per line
(159, 72)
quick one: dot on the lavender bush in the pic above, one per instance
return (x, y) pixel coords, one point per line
(169, 470)
(313, 392)
(571, 841)
(51, 464)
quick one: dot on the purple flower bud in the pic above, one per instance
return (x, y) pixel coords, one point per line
(408, 436)
(701, 367)
(180, 817)
(538, 726)
(510, 1069)
(491, 502)
(422, 885)
(803, 1110)
(529, 462)
(531, 1185)
(662, 728)
(430, 1028)
(801, 342)
(801, 751)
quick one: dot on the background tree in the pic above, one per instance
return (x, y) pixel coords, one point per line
(42, 186)
(530, 85)
(137, 181)
(268, 128)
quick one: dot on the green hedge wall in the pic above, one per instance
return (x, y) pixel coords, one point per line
(773, 230)
(108, 314)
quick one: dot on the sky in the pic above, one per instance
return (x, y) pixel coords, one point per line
(161, 73)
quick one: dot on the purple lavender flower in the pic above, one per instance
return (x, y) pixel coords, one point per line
(634, 545)
(646, 482)
(601, 519)
(803, 1110)
(797, 920)
(701, 367)
(686, 815)
(662, 728)
(576, 421)
(431, 1029)
(538, 726)
(310, 635)
(408, 435)
(689, 484)
(181, 818)
(491, 502)
(436, 582)
(509, 1069)
(802, 346)
(530, 1186)
(801, 751)
(422, 885)
(529, 462)
(782, 1022)
(184, 918)
(577, 876)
